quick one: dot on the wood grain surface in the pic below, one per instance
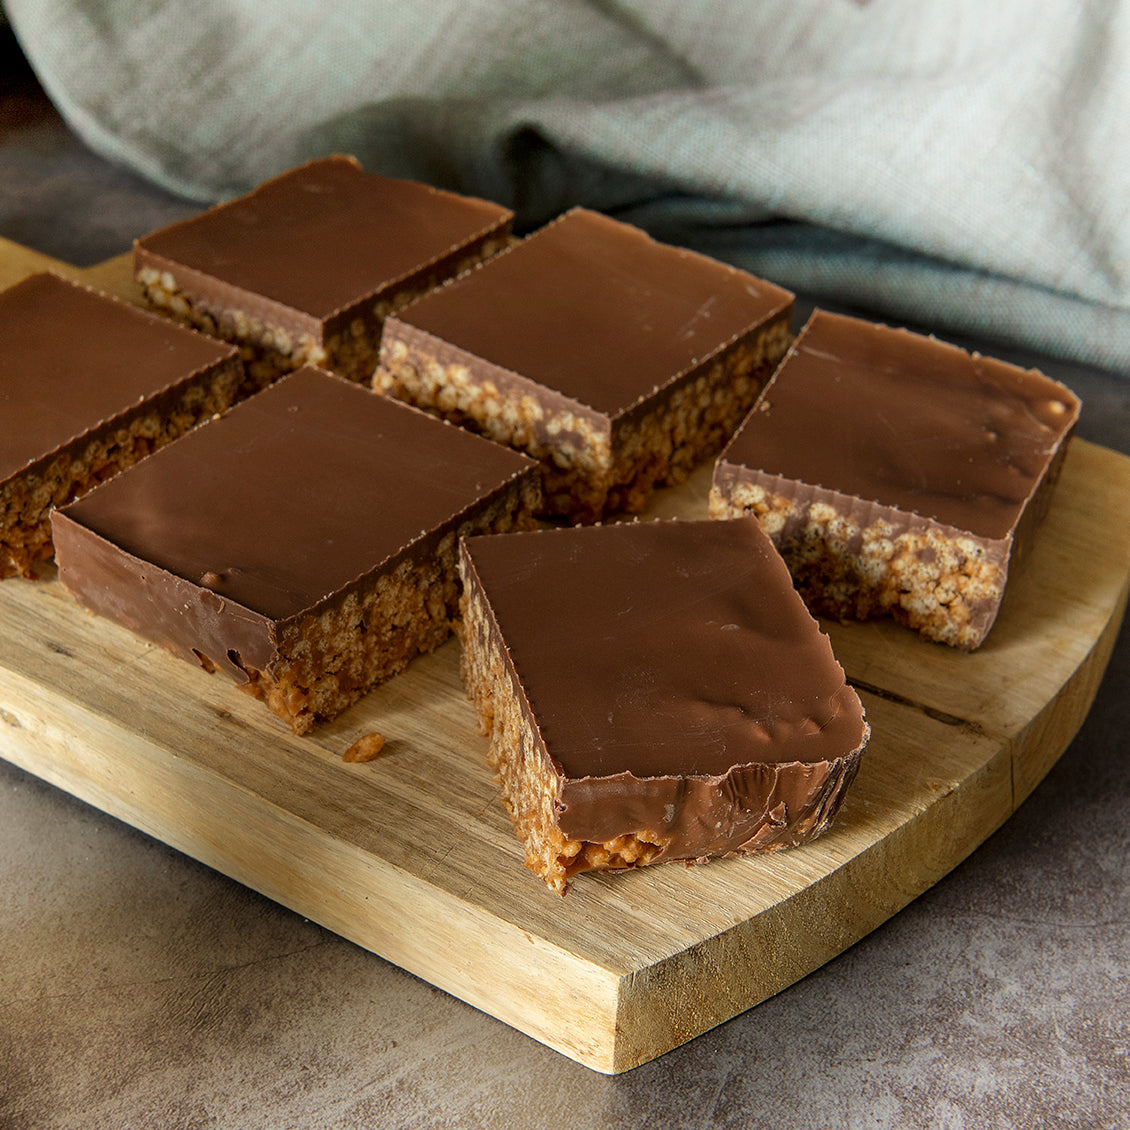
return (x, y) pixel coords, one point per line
(411, 854)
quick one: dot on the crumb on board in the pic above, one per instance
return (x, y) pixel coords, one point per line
(365, 748)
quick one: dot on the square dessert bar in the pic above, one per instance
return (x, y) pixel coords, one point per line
(897, 474)
(617, 361)
(305, 543)
(653, 690)
(89, 385)
(304, 268)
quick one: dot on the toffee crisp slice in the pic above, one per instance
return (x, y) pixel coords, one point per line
(305, 543)
(88, 386)
(618, 361)
(304, 268)
(898, 475)
(653, 691)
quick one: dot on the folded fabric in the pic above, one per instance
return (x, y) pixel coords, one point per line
(949, 164)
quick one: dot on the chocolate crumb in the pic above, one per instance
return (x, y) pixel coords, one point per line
(365, 748)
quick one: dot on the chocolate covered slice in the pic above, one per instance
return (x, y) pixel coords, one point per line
(305, 543)
(88, 386)
(304, 268)
(653, 691)
(618, 361)
(898, 475)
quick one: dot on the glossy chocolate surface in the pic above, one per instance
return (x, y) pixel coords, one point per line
(596, 309)
(271, 510)
(75, 359)
(907, 421)
(323, 235)
(675, 677)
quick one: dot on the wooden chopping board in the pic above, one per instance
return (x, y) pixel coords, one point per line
(412, 856)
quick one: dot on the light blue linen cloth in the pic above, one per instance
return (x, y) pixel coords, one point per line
(952, 164)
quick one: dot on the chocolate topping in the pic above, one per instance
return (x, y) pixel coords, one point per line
(74, 360)
(319, 237)
(271, 511)
(907, 421)
(596, 309)
(675, 680)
